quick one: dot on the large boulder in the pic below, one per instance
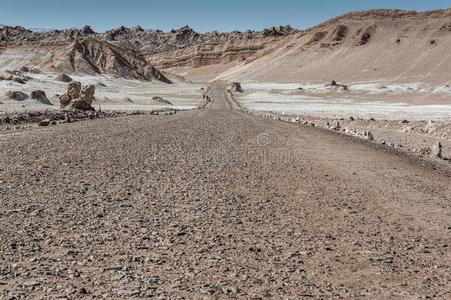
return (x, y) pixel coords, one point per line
(40, 96)
(16, 95)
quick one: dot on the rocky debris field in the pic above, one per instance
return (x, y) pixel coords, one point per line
(418, 137)
(24, 120)
(217, 203)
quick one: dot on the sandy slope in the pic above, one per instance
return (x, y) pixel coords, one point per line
(401, 47)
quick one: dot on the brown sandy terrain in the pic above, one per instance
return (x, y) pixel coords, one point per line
(388, 45)
(217, 204)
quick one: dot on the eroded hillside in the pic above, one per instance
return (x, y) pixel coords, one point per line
(388, 45)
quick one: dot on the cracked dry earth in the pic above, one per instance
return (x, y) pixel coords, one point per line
(216, 204)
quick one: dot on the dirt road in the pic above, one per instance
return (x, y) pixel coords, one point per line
(216, 204)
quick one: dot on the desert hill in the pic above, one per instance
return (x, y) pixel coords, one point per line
(87, 56)
(388, 45)
(178, 48)
(92, 56)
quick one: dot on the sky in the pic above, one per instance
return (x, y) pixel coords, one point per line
(202, 15)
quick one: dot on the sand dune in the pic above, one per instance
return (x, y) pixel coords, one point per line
(394, 46)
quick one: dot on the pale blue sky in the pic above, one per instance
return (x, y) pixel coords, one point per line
(202, 15)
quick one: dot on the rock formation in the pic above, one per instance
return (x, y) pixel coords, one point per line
(85, 99)
(78, 97)
(92, 56)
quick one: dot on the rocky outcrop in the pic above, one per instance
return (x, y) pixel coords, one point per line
(340, 33)
(78, 97)
(14, 34)
(92, 56)
(85, 99)
(279, 31)
(366, 35)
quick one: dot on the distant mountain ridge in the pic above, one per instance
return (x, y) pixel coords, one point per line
(148, 42)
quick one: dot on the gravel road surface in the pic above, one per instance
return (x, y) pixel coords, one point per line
(216, 204)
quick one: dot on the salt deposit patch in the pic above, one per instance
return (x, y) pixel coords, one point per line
(111, 92)
(376, 87)
(262, 97)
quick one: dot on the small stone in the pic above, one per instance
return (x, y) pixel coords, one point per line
(45, 122)
(369, 136)
(337, 126)
(63, 78)
(114, 268)
(30, 284)
(67, 118)
(437, 150)
(126, 293)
